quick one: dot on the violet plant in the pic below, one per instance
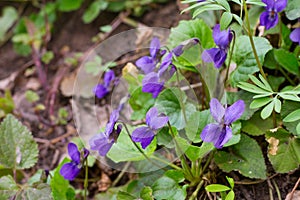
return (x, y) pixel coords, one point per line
(236, 102)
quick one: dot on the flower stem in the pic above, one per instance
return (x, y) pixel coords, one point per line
(252, 42)
(121, 174)
(86, 179)
(195, 193)
(230, 57)
(186, 168)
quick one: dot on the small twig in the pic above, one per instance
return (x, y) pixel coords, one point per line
(55, 140)
(294, 189)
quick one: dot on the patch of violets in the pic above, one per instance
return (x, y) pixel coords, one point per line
(101, 90)
(154, 121)
(103, 142)
(269, 18)
(219, 133)
(154, 81)
(218, 55)
(71, 169)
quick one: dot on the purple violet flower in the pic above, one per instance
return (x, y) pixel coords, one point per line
(71, 169)
(154, 121)
(101, 90)
(152, 84)
(103, 142)
(222, 40)
(148, 63)
(295, 35)
(269, 18)
(219, 133)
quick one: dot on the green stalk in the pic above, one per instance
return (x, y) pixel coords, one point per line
(186, 168)
(195, 193)
(252, 42)
(86, 179)
(166, 162)
(280, 30)
(230, 57)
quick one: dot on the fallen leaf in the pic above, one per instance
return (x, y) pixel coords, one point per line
(67, 84)
(296, 195)
(273, 145)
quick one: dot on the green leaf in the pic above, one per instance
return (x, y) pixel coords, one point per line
(283, 151)
(292, 9)
(287, 108)
(230, 195)
(275, 81)
(68, 5)
(47, 57)
(18, 149)
(277, 105)
(7, 104)
(194, 127)
(230, 181)
(191, 29)
(287, 60)
(167, 188)
(298, 129)
(257, 103)
(165, 138)
(194, 152)
(225, 20)
(207, 8)
(267, 111)
(8, 187)
(140, 103)
(40, 191)
(255, 2)
(238, 19)
(124, 149)
(176, 175)
(256, 126)
(293, 116)
(225, 4)
(245, 157)
(94, 10)
(217, 188)
(31, 96)
(173, 103)
(146, 193)
(244, 58)
(61, 189)
(94, 67)
(8, 18)
(125, 196)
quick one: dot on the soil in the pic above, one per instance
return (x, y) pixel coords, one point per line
(72, 34)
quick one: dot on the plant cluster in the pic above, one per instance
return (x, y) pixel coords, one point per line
(249, 90)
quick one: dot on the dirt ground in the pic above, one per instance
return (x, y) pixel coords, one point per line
(73, 34)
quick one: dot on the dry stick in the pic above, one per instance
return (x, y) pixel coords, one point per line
(53, 91)
(55, 140)
(294, 189)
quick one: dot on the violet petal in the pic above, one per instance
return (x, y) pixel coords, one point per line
(224, 137)
(69, 171)
(211, 133)
(74, 153)
(217, 110)
(234, 112)
(146, 64)
(144, 135)
(295, 35)
(154, 47)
